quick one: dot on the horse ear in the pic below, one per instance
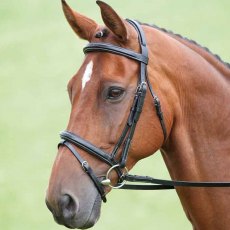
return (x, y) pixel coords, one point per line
(84, 27)
(113, 21)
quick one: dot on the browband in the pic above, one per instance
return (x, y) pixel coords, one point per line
(106, 47)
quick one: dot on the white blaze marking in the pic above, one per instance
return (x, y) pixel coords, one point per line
(87, 75)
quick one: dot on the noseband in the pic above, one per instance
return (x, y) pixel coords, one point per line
(70, 140)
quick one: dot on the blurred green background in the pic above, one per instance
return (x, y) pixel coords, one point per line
(38, 55)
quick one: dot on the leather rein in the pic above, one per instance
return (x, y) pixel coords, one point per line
(70, 140)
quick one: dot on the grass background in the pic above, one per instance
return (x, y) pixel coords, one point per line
(38, 55)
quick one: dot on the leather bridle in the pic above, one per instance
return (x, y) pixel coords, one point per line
(70, 140)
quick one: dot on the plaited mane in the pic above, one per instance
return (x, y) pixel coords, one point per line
(189, 40)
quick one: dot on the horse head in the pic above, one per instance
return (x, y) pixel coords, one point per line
(101, 94)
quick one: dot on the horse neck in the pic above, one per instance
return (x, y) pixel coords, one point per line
(196, 89)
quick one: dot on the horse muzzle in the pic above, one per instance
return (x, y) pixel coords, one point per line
(69, 212)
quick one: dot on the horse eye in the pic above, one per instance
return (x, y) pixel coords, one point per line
(115, 93)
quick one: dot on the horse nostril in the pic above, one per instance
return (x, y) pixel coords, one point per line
(68, 206)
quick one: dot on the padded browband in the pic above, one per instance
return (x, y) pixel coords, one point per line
(106, 47)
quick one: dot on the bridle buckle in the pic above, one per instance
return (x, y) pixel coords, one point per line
(140, 87)
(85, 166)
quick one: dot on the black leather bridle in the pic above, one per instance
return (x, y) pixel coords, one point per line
(70, 139)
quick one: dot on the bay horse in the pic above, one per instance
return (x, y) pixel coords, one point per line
(126, 65)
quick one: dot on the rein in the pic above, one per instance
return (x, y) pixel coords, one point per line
(70, 140)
